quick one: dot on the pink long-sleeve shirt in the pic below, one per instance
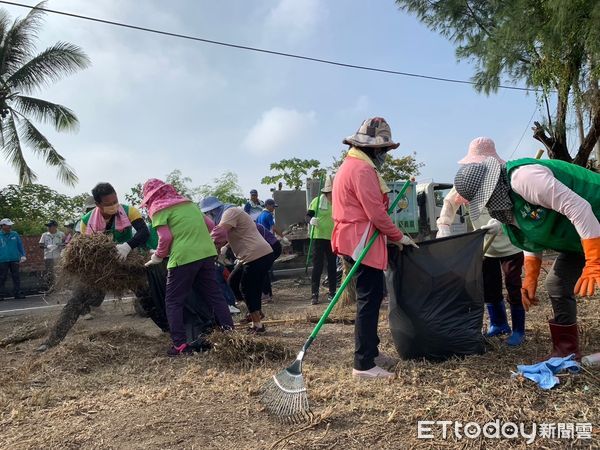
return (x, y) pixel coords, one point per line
(359, 208)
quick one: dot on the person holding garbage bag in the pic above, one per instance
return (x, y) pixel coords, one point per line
(360, 203)
(544, 204)
(501, 258)
(184, 238)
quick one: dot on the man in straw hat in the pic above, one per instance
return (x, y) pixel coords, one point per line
(544, 204)
(360, 204)
(502, 257)
(322, 222)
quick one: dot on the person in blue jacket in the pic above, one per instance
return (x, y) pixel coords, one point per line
(12, 254)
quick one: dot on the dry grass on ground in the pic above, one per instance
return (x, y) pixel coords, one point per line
(110, 386)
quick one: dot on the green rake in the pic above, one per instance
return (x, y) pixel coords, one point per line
(284, 395)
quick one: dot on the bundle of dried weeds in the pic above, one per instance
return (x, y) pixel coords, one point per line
(23, 333)
(93, 261)
(240, 349)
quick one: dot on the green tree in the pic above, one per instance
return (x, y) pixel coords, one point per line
(31, 206)
(393, 169)
(551, 45)
(226, 188)
(293, 171)
(22, 73)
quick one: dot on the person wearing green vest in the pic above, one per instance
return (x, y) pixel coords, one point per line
(322, 222)
(184, 238)
(117, 220)
(544, 204)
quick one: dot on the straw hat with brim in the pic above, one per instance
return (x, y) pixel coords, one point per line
(7, 222)
(328, 185)
(209, 203)
(373, 133)
(90, 203)
(476, 183)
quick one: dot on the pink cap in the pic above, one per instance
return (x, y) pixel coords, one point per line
(479, 149)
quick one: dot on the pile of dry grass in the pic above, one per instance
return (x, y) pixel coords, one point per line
(240, 349)
(93, 261)
(23, 333)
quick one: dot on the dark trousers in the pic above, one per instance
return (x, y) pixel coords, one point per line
(493, 269)
(225, 289)
(200, 276)
(13, 268)
(81, 301)
(267, 289)
(322, 253)
(369, 294)
(252, 279)
(49, 272)
(234, 281)
(560, 284)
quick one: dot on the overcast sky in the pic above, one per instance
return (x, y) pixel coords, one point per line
(151, 104)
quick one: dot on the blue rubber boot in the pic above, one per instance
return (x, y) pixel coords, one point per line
(517, 337)
(498, 322)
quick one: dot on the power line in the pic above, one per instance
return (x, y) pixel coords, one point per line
(260, 50)
(524, 131)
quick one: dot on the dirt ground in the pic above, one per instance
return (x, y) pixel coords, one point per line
(109, 385)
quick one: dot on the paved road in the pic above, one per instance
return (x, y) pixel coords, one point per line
(34, 304)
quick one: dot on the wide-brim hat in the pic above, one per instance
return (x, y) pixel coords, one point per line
(209, 203)
(479, 149)
(7, 222)
(151, 188)
(373, 133)
(328, 187)
(476, 183)
(90, 203)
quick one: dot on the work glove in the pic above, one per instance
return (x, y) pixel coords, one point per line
(314, 222)
(443, 231)
(52, 247)
(493, 226)
(153, 260)
(23, 259)
(590, 277)
(532, 265)
(123, 250)
(285, 241)
(406, 240)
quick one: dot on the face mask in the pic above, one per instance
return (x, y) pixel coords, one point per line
(380, 159)
(111, 210)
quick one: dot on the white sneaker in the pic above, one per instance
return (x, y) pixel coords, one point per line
(234, 310)
(375, 372)
(88, 316)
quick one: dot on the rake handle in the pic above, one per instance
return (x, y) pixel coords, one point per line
(312, 229)
(351, 273)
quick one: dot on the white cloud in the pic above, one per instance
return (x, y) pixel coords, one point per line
(276, 128)
(295, 20)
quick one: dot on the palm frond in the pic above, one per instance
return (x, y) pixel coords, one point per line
(61, 117)
(13, 151)
(18, 44)
(49, 66)
(38, 143)
(5, 22)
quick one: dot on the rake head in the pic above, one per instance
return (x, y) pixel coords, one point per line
(284, 395)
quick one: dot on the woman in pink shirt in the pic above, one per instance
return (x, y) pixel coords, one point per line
(360, 204)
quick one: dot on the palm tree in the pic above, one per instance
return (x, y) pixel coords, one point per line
(22, 73)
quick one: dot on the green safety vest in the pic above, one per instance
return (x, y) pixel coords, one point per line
(119, 237)
(542, 228)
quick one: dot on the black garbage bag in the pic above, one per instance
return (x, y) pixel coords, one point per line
(198, 317)
(436, 297)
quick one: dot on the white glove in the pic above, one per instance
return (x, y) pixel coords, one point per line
(224, 250)
(123, 250)
(23, 259)
(493, 226)
(52, 247)
(443, 231)
(314, 222)
(406, 240)
(153, 260)
(285, 241)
